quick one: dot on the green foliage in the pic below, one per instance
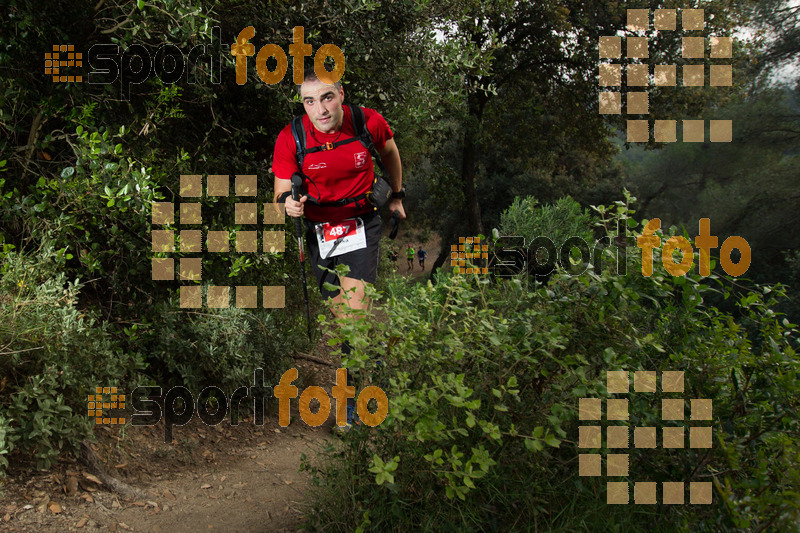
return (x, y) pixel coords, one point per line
(220, 347)
(52, 354)
(557, 222)
(97, 209)
(46, 424)
(6, 445)
(484, 379)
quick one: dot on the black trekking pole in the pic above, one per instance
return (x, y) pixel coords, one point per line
(297, 185)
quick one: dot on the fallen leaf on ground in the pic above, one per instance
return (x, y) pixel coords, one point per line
(87, 486)
(92, 478)
(54, 508)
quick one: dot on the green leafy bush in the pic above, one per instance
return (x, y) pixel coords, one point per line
(484, 380)
(557, 222)
(218, 347)
(47, 425)
(6, 446)
(52, 354)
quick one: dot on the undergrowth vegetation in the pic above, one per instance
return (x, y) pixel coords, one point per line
(79, 307)
(54, 352)
(484, 378)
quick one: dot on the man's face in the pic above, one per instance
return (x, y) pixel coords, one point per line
(323, 104)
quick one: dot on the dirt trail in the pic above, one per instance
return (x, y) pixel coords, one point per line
(431, 245)
(241, 478)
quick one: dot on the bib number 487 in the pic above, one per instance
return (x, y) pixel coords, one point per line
(339, 230)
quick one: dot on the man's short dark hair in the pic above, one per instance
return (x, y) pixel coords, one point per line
(309, 74)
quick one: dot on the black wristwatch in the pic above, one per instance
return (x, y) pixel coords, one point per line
(401, 194)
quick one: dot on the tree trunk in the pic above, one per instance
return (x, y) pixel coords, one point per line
(468, 163)
(448, 238)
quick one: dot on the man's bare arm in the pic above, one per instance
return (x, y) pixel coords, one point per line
(281, 186)
(390, 156)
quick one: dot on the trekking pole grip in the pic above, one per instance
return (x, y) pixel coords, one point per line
(395, 221)
(297, 186)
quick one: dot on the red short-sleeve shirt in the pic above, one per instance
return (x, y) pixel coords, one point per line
(344, 172)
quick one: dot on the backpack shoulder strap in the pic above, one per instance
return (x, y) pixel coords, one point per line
(360, 127)
(299, 134)
(365, 137)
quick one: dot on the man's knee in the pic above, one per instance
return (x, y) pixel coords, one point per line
(352, 296)
(353, 288)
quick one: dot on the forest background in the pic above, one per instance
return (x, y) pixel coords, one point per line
(494, 105)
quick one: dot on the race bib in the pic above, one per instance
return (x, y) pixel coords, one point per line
(338, 239)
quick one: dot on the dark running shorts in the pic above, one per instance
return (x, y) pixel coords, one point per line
(363, 263)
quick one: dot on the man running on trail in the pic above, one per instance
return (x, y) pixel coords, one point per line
(421, 255)
(410, 257)
(338, 171)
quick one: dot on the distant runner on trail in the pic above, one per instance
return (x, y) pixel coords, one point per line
(410, 257)
(341, 225)
(421, 255)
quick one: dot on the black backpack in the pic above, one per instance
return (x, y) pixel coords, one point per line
(381, 188)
